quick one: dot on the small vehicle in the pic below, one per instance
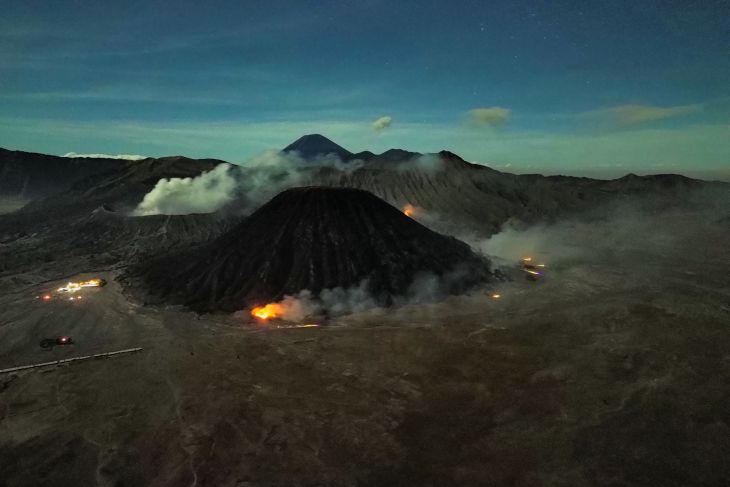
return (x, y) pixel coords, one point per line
(48, 343)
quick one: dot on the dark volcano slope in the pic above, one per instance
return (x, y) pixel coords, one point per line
(30, 175)
(311, 238)
(122, 188)
(105, 239)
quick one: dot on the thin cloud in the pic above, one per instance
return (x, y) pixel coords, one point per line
(489, 117)
(127, 157)
(630, 114)
(382, 123)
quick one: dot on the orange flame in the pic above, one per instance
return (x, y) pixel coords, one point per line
(409, 210)
(271, 310)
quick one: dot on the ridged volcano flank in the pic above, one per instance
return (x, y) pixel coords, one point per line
(310, 238)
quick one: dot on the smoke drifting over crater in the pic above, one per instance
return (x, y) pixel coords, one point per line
(253, 182)
(625, 232)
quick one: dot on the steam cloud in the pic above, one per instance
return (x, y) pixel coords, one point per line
(178, 196)
(254, 182)
(250, 184)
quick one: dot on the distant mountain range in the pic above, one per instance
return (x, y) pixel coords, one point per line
(83, 206)
(313, 145)
(33, 176)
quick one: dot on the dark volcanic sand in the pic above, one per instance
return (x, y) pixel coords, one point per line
(613, 371)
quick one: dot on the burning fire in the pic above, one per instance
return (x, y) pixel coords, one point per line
(271, 310)
(409, 210)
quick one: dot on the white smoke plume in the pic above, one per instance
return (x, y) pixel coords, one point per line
(251, 184)
(623, 231)
(337, 302)
(296, 308)
(332, 302)
(255, 181)
(126, 157)
(179, 196)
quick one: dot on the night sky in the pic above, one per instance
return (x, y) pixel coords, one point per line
(597, 88)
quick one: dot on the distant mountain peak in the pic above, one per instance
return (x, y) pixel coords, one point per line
(314, 145)
(398, 155)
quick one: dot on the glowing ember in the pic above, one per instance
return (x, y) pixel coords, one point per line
(541, 265)
(496, 296)
(409, 210)
(271, 310)
(535, 273)
(527, 259)
(308, 325)
(46, 297)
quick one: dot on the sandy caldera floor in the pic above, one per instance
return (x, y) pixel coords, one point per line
(614, 370)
